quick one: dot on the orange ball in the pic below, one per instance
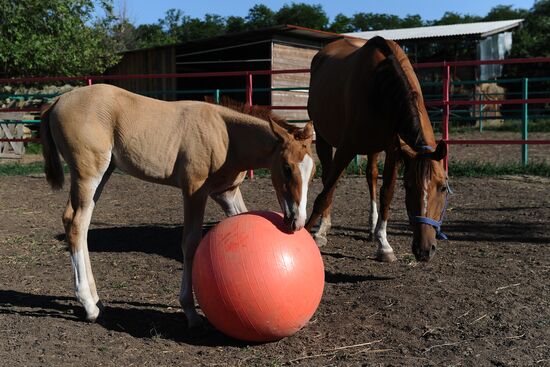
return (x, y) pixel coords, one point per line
(254, 281)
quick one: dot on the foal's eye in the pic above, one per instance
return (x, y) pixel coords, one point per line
(443, 188)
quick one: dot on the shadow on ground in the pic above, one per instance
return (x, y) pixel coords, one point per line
(140, 320)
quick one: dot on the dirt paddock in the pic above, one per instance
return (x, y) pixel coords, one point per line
(483, 300)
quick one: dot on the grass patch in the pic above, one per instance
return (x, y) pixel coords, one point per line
(534, 126)
(17, 169)
(477, 169)
(456, 169)
(33, 148)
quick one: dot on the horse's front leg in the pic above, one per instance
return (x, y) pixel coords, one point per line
(324, 152)
(372, 177)
(323, 201)
(231, 200)
(384, 252)
(193, 206)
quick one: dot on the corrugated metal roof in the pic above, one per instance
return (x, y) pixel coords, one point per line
(482, 29)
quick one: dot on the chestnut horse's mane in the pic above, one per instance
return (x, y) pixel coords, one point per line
(261, 112)
(393, 92)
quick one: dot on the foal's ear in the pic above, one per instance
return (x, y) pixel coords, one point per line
(279, 131)
(305, 133)
(440, 151)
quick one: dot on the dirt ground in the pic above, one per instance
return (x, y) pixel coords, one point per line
(483, 301)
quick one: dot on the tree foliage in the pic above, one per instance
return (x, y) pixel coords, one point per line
(55, 37)
(310, 16)
(65, 37)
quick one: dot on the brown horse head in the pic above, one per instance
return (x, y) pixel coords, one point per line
(426, 190)
(292, 169)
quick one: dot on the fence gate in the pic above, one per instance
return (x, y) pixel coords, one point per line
(9, 130)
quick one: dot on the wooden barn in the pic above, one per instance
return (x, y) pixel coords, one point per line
(275, 48)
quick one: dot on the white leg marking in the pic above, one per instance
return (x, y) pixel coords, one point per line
(306, 166)
(82, 287)
(231, 202)
(373, 216)
(325, 226)
(384, 251)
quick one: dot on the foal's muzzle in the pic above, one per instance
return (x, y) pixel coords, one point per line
(290, 224)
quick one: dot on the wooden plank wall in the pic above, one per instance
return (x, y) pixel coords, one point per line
(153, 61)
(291, 57)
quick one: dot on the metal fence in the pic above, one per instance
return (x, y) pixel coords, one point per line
(443, 103)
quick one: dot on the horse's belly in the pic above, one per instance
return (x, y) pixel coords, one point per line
(150, 168)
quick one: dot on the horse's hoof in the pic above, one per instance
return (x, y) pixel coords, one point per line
(320, 240)
(93, 316)
(385, 257)
(195, 323)
(100, 306)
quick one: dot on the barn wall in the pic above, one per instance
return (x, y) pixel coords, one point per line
(287, 56)
(159, 60)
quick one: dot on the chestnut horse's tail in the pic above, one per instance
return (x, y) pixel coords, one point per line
(52, 168)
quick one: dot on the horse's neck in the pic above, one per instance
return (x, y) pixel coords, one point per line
(252, 142)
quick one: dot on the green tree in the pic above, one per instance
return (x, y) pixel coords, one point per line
(150, 35)
(172, 23)
(374, 21)
(56, 37)
(505, 12)
(455, 18)
(341, 24)
(235, 24)
(305, 15)
(533, 39)
(411, 21)
(194, 28)
(260, 16)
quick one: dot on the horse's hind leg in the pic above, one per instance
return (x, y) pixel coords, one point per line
(324, 152)
(86, 187)
(372, 176)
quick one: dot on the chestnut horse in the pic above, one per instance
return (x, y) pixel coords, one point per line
(365, 98)
(201, 148)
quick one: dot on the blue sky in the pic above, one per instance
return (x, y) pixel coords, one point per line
(145, 11)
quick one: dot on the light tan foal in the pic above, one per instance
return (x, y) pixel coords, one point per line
(203, 149)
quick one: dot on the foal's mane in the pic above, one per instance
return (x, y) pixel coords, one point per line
(392, 91)
(261, 112)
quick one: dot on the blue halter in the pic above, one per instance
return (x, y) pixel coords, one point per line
(429, 221)
(434, 223)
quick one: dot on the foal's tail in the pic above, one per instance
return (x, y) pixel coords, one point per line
(53, 167)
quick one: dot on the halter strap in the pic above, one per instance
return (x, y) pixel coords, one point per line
(432, 222)
(426, 148)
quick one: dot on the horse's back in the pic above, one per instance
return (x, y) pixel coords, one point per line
(341, 90)
(337, 88)
(146, 137)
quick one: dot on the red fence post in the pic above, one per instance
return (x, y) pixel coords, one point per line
(89, 81)
(249, 89)
(446, 110)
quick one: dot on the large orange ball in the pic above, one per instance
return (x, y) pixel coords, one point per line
(254, 281)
